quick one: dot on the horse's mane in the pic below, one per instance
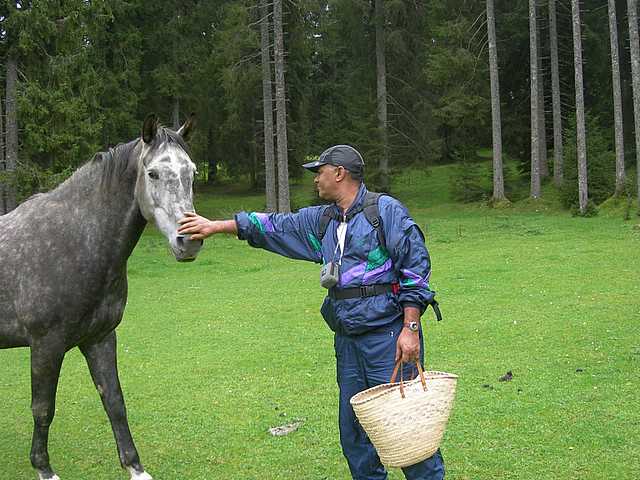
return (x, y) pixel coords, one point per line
(113, 162)
(107, 167)
(102, 169)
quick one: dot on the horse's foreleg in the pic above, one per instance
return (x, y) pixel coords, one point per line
(45, 371)
(101, 358)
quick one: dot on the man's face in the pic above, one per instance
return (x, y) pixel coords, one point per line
(326, 181)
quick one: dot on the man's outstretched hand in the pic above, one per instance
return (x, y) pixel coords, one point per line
(200, 228)
(196, 226)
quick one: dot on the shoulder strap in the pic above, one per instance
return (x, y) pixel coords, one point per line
(370, 210)
(325, 218)
(372, 213)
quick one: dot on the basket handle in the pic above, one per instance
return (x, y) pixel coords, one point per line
(397, 367)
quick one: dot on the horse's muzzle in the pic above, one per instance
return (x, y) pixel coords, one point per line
(187, 249)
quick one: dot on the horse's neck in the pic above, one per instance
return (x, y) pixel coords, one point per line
(125, 222)
(129, 229)
(108, 209)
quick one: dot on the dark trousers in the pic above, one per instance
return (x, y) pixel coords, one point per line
(364, 361)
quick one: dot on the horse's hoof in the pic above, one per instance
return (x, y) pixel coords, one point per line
(42, 477)
(135, 475)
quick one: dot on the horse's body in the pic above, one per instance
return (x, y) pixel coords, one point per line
(63, 259)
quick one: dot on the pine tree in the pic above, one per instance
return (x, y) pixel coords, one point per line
(456, 88)
(3, 207)
(381, 93)
(583, 193)
(542, 128)
(555, 96)
(11, 152)
(281, 111)
(634, 47)
(535, 124)
(617, 99)
(267, 105)
(498, 179)
(235, 68)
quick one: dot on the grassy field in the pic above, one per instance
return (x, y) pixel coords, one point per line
(213, 353)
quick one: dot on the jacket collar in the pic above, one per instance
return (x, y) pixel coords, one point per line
(357, 203)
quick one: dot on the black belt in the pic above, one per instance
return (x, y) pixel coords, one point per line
(372, 291)
(363, 291)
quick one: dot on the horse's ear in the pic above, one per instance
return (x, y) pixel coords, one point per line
(185, 130)
(150, 128)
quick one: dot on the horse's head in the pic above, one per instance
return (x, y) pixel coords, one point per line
(165, 180)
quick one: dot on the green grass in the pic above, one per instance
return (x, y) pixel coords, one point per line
(213, 353)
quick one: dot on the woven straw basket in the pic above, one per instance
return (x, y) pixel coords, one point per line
(405, 421)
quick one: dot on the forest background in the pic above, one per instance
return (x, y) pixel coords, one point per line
(79, 77)
(409, 83)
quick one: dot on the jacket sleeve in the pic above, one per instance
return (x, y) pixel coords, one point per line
(293, 235)
(406, 246)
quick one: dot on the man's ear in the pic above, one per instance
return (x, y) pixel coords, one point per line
(341, 173)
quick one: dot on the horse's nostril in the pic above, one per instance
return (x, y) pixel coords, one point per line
(181, 240)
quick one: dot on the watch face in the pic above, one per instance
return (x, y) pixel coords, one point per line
(413, 326)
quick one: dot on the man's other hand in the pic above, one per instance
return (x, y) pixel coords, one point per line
(408, 346)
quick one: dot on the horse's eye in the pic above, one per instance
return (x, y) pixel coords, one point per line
(154, 175)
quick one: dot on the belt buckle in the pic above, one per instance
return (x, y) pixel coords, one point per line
(366, 290)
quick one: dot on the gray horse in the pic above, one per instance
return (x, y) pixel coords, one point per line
(63, 270)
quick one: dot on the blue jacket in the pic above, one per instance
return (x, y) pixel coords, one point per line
(405, 259)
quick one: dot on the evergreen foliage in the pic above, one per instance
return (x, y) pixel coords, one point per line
(90, 71)
(459, 79)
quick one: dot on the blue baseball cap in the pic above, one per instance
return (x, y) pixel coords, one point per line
(339, 156)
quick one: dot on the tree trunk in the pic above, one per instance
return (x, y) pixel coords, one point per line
(212, 159)
(284, 205)
(11, 155)
(381, 76)
(617, 98)
(498, 177)
(542, 130)
(175, 115)
(535, 124)
(632, 6)
(254, 161)
(558, 161)
(3, 208)
(583, 192)
(267, 106)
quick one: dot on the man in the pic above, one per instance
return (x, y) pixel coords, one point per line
(382, 286)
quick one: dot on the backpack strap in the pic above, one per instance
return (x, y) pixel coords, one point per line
(436, 309)
(325, 218)
(370, 210)
(372, 213)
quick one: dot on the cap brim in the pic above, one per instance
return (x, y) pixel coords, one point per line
(313, 166)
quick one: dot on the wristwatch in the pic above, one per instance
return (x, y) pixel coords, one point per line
(413, 326)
